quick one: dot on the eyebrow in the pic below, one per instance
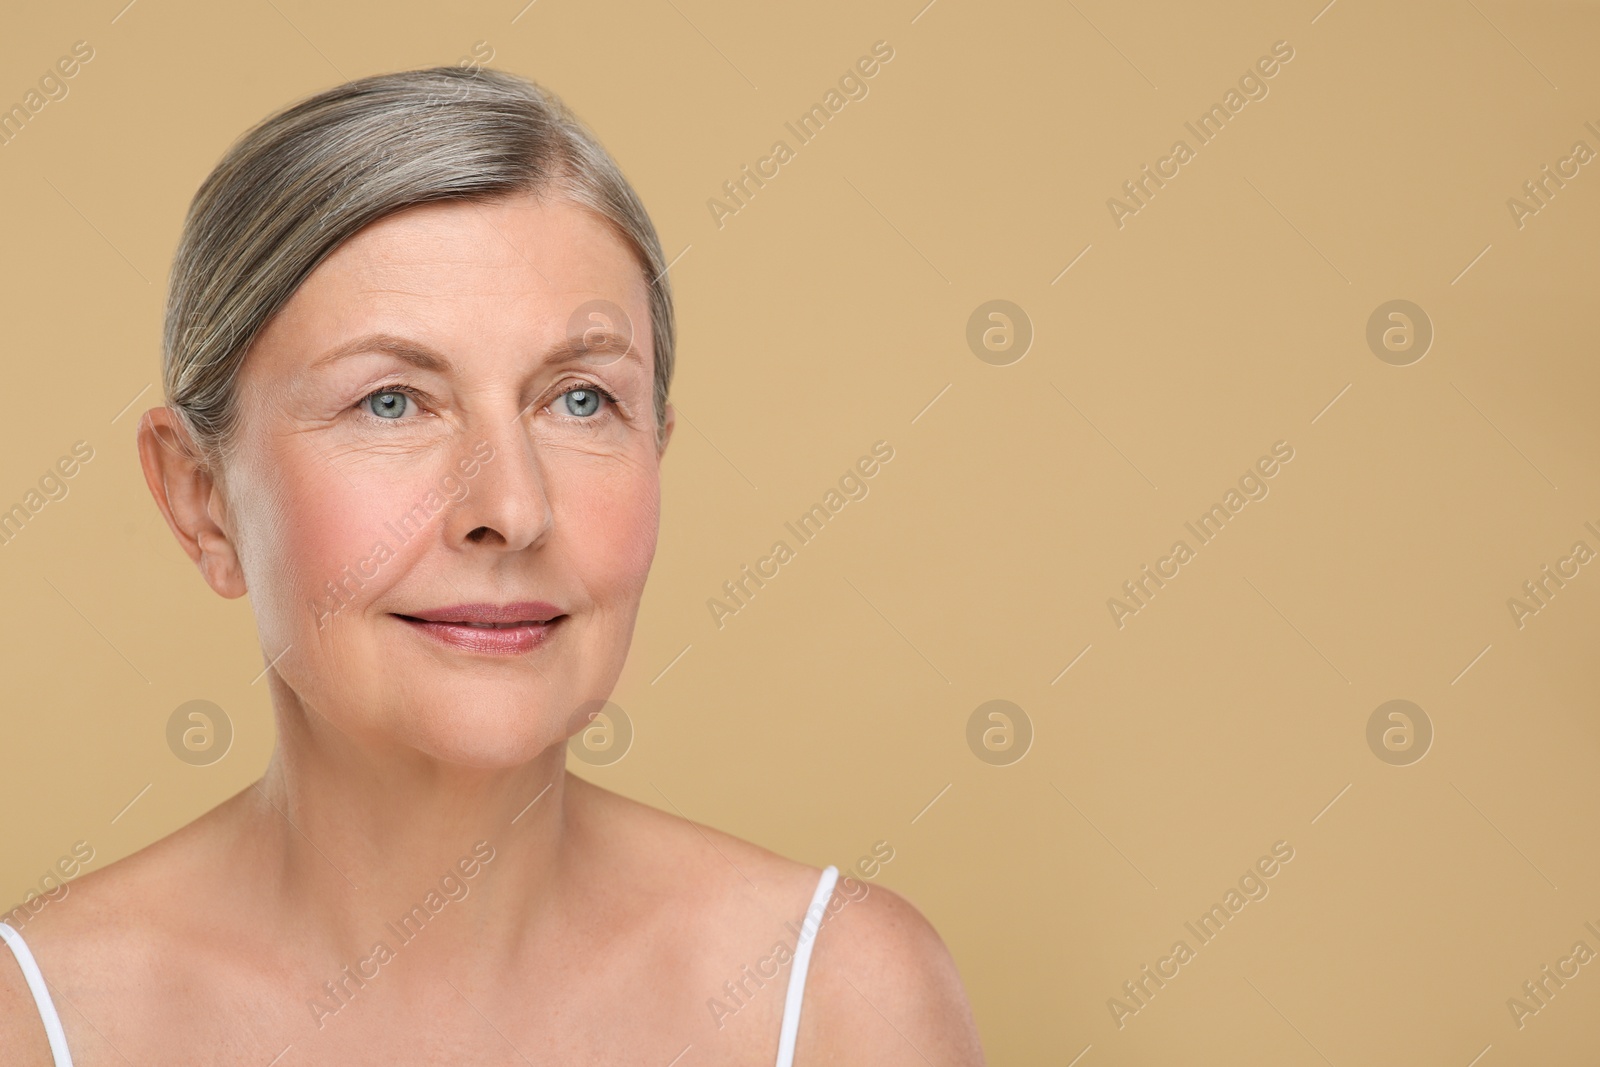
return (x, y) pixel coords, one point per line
(570, 350)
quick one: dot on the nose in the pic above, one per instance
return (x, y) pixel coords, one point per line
(507, 505)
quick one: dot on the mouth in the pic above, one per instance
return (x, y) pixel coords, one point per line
(495, 629)
(478, 625)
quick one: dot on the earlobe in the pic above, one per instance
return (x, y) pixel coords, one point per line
(183, 488)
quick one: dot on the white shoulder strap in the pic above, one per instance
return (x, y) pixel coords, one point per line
(41, 994)
(802, 962)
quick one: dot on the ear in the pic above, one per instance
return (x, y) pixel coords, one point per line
(189, 499)
(666, 430)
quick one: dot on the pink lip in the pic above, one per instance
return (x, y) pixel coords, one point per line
(523, 626)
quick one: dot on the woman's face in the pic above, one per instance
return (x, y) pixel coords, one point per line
(435, 432)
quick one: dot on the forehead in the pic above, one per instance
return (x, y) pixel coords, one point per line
(519, 265)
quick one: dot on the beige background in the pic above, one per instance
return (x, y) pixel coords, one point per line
(1229, 314)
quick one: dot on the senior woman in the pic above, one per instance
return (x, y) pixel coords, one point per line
(417, 351)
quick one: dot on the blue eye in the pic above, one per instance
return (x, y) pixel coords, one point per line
(388, 404)
(581, 402)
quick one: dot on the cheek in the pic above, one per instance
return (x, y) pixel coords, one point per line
(612, 523)
(313, 527)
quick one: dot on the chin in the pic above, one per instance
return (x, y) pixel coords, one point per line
(489, 733)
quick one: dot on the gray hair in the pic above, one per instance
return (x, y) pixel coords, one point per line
(303, 181)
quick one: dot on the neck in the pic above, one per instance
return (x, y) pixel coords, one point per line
(363, 845)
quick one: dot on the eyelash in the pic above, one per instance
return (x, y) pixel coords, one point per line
(610, 398)
(419, 398)
(405, 391)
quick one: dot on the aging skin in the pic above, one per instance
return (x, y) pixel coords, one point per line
(600, 927)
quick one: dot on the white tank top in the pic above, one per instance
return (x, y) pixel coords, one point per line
(809, 925)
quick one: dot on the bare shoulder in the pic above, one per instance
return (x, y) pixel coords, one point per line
(684, 856)
(109, 940)
(721, 914)
(94, 920)
(21, 1029)
(883, 987)
(111, 913)
(77, 936)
